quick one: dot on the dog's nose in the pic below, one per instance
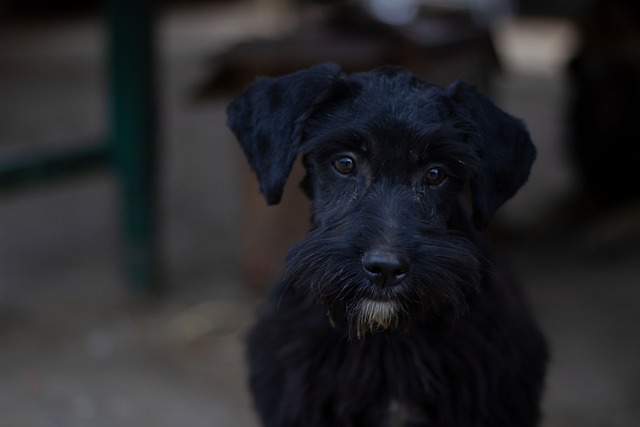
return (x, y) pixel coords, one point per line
(385, 268)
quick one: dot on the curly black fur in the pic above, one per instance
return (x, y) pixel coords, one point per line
(438, 335)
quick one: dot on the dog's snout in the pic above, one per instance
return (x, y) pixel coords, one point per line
(385, 268)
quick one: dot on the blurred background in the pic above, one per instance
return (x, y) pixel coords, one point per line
(134, 246)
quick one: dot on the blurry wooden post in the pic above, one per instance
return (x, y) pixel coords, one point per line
(268, 232)
(133, 131)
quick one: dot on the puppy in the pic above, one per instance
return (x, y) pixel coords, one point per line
(391, 311)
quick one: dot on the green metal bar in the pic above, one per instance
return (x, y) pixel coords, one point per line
(27, 169)
(133, 131)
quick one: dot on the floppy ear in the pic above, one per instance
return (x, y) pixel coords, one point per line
(504, 148)
(268, 118)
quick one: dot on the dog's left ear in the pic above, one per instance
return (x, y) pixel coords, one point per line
(503, 146)
(268, 118)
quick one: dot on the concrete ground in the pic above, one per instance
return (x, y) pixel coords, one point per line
(78, 348)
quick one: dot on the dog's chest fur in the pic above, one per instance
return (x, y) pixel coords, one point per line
(453, 372)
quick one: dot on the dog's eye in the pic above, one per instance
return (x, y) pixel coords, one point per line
(435, 176)
(345, 165)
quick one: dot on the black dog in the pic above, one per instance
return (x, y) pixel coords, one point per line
(391, 312)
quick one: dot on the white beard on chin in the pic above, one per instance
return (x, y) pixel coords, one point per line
(372, 316)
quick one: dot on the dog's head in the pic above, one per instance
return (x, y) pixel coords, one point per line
(387, 156)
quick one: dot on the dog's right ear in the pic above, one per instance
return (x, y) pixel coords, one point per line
(268, 118)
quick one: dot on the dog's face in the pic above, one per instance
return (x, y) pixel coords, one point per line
(387, 156)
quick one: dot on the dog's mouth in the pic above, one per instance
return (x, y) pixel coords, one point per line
(370, 316)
